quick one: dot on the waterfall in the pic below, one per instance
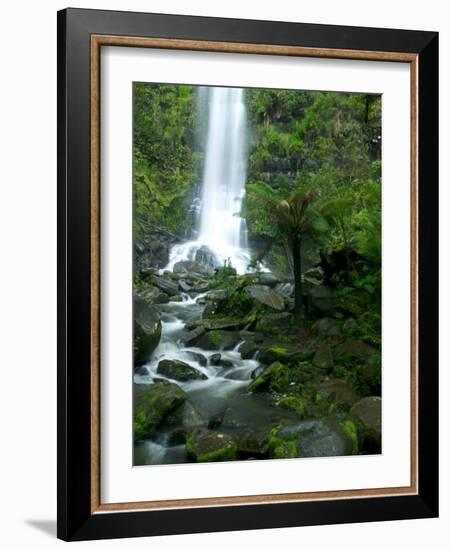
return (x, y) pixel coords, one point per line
(221, 231)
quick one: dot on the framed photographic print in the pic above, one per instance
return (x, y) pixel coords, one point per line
(247, 274)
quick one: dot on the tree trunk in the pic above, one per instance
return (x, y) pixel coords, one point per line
(298, 287)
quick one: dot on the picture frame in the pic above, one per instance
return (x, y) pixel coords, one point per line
(81, 36)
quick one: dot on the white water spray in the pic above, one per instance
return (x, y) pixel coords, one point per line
(221, 229)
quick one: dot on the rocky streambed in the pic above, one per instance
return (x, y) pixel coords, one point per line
(224, 371)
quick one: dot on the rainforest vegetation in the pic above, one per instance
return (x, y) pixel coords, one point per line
(299, 333)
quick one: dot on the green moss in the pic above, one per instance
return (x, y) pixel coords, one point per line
(351, 432)
(279, 351)
(280, 447)
(212, 452)
(216, 338)
(275, 378)
(296, 404)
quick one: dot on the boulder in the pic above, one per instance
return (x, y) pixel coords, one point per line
(268, 279)
(326, 327)
(184, 287)
(367, 415)
(275, 378)
(204, 445)
(353, 352)
(153, 404)
(179, 370)
(254, 443)
(258, 371)
(338, 393)
(154, 295)
(185, 416)
(314, 438)
(191, 336)
(248, 349)
(166, 285)
(266, 296)
(147, 330)
(218, 339)
(206, 258)
(285, 289)
(214, 359)
(323, 358)
(274, 323)
(188, 266)
(323, 298)
(198, 357)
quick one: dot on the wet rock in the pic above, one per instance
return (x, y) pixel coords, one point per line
(272, 354)
(147, 330)
(205, 445)
(141, 371)
(367, 415)
(226, 363)
(184, 417)
(190, 337)
(258, 371)
(275, 378)
(179, 370)
(314, 438)
(266, 296)
(274, 323)
(184, 286)
(216, 420)
(248, 349)
(285, 289)
(153, 404)
(218, 339)
(206, 258)
(323, 358)
(199, 357)
(166, 285)
(214, 359)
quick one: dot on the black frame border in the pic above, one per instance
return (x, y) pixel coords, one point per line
(75, 521)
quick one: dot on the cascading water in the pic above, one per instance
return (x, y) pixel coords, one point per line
(221, 231)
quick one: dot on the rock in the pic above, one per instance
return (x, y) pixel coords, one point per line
(141, 371)
(323, 358)
(272, 354)
(353, 352)
(184, 286)
(188, 266)
(185, 416)
(190, 337)
(226, 363)
(268, 279)
(274, 323)
(204, 445)
(367, 415)
(147, 330)
(216, 420)
(266, 296)
(154, 295)
(218, 339)
(338, 393)
(248, 349)
(368, 376)
(153, 404)
(214, 359)
(285, 289)
(294, 403)
(254, 443)
(314, 275)
(199, 357)
(167, 286)
(323, 298)
(206, 258)
(258, 371)
(326, 326)
(178, 370)
(314, 438)
(275, 378)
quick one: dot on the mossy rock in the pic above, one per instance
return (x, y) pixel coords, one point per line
(324, 437)
(294, 403)
(367, 416)
(204, 445)
(323, 359)
(218, 339)
(146, 330)
(275, 378)
(153, 404)
(254, 442)
(266, 296)
(179, 370)
(353, 352)
(275, 323)
(338, 393)
(272, 354)
(248, 349)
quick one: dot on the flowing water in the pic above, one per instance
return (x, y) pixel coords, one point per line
(220, 229)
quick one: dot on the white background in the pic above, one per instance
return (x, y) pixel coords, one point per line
(28, 289)
(119, 481)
